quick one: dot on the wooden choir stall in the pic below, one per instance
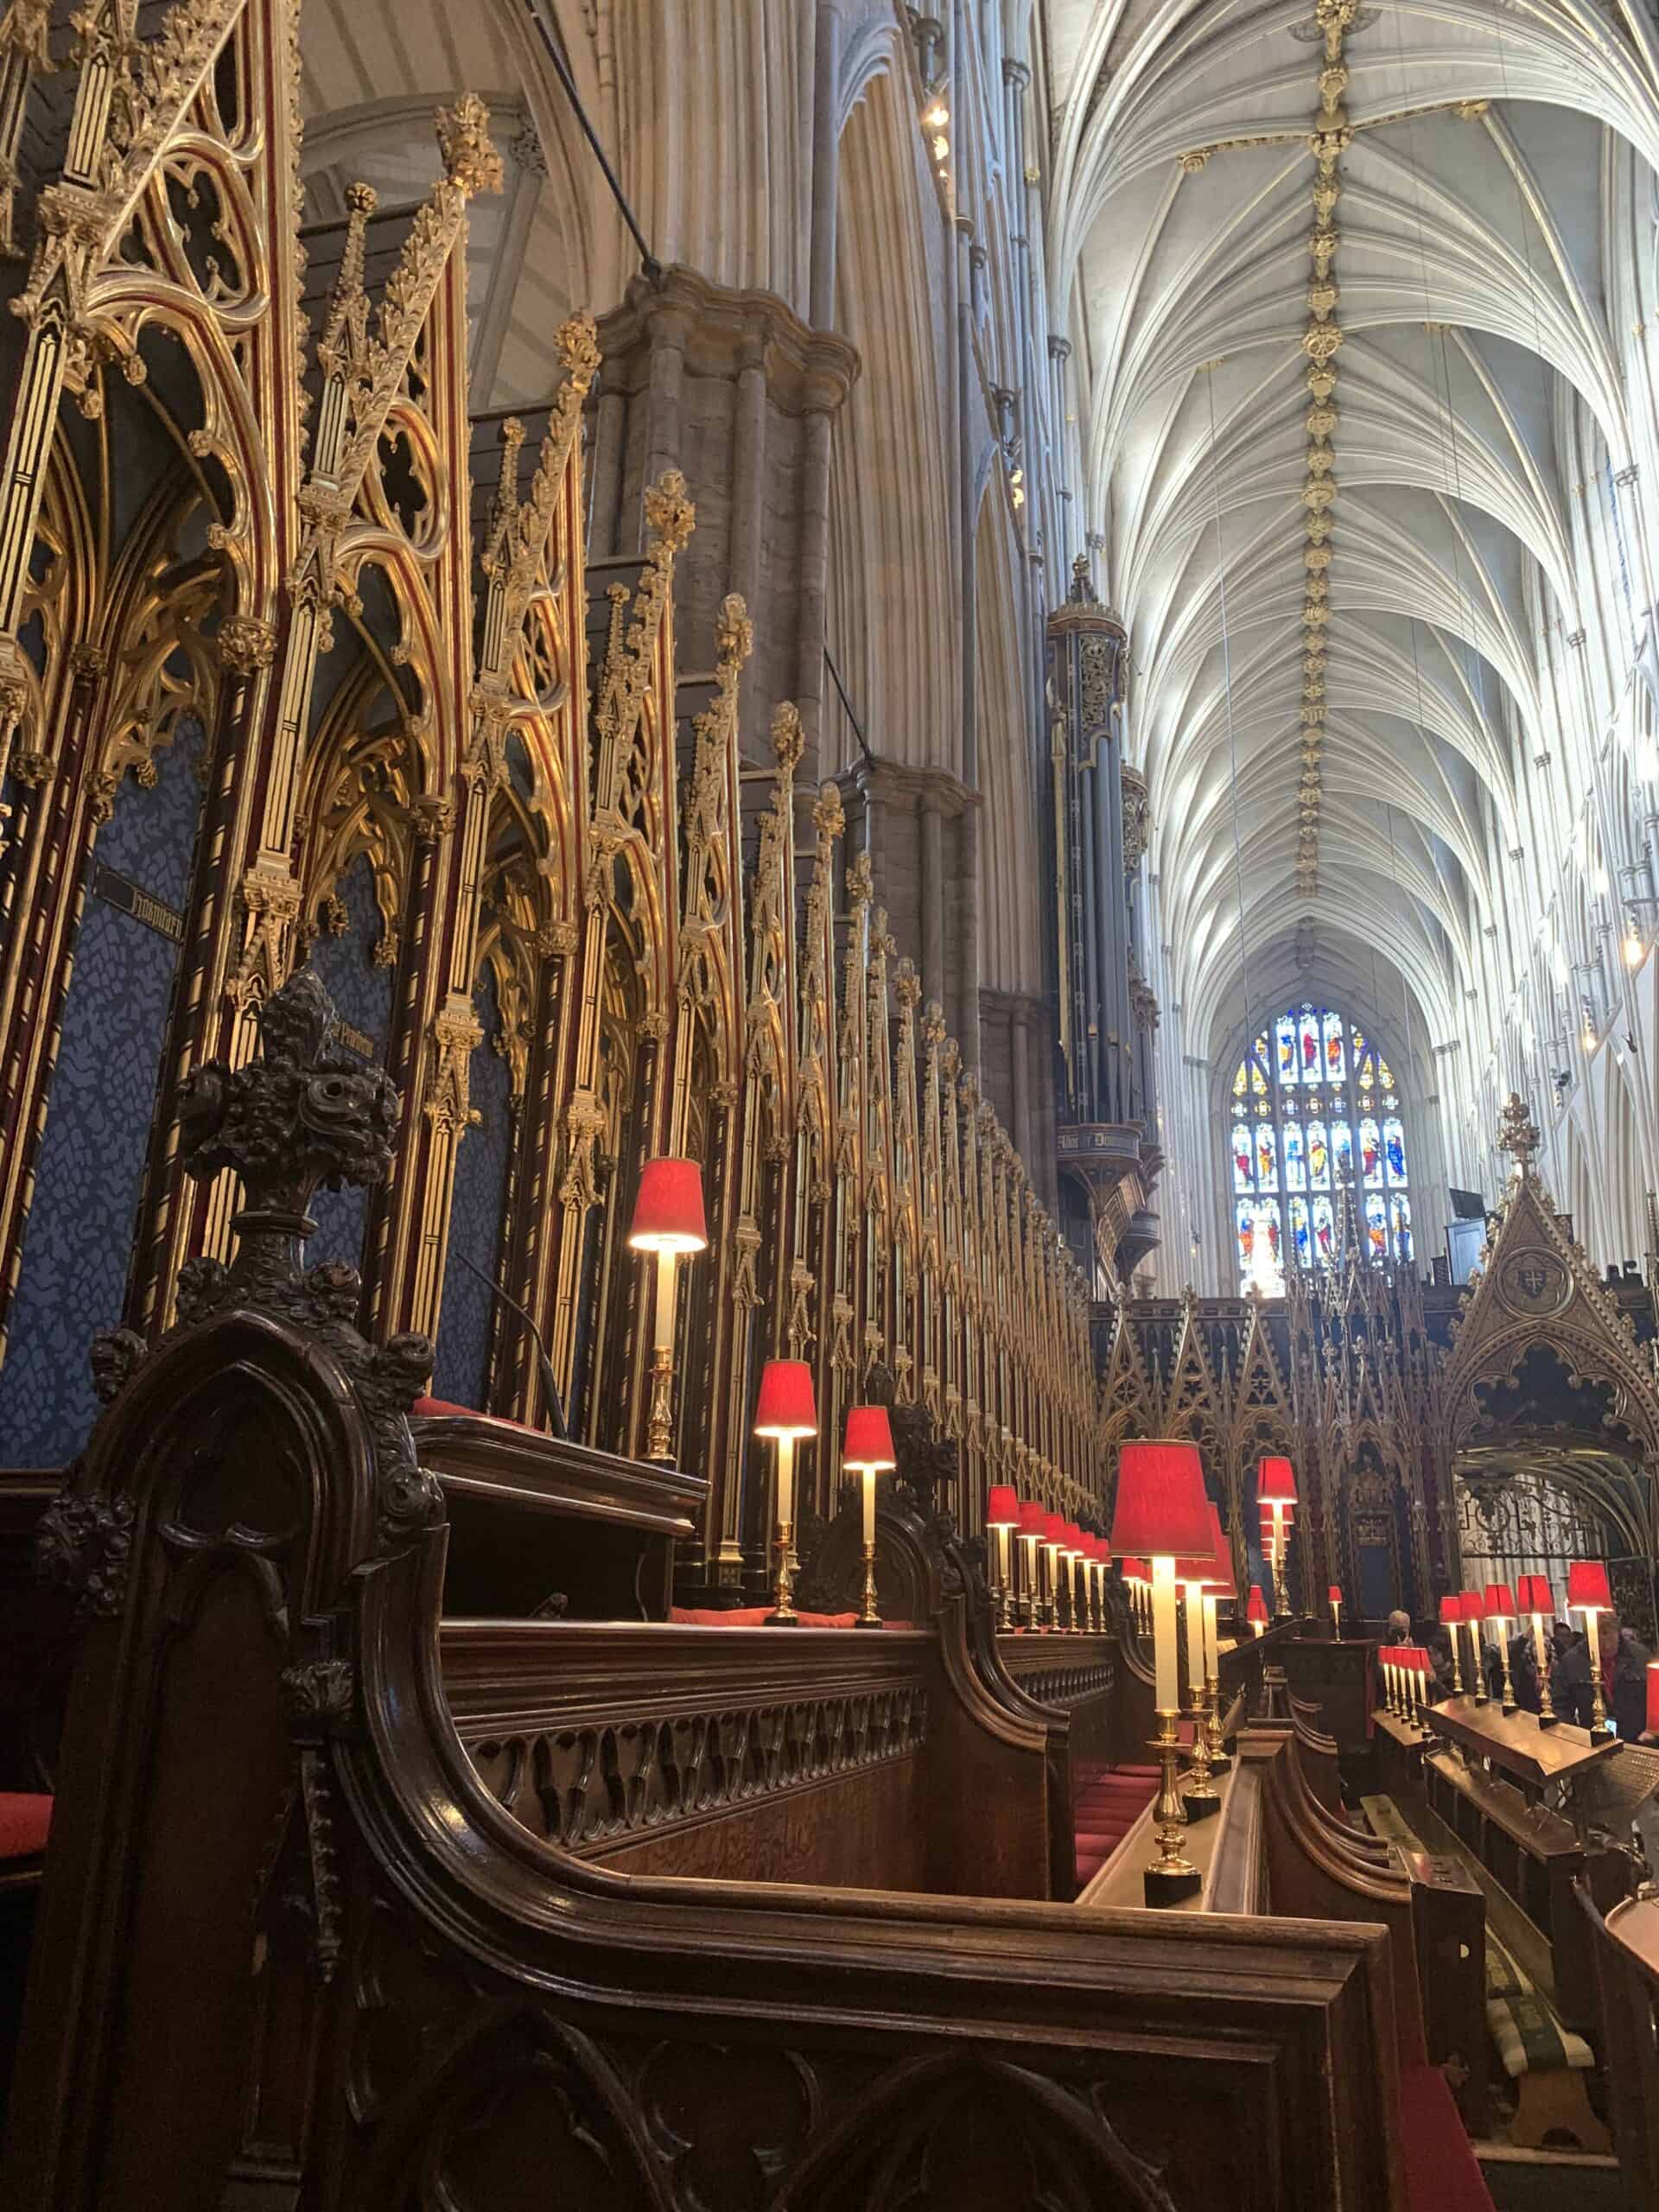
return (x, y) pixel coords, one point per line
(353, 1901)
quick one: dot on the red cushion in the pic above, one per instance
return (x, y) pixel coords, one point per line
(750, 1617)
(1442, 2173)
(438, 1408)
(24, 1820)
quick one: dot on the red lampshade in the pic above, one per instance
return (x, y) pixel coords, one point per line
(1500, 1602)
(869, 1439)
(1071, 1543)
(668, 1213)
(1033, 1521)
(1653, 1697)
(1451, 1609)
(1053, 1529)
(1275, 1482)
(1474, 1605)
(788, 1406)
(1256, 1609)
(1134, 1570)
(1334, 1594)
(1586, 1586)
(1001, 1507)
(1535, 1594)
(1160, 1501)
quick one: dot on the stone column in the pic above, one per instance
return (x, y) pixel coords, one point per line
(826, 164)
(932, 895)
(733, 389)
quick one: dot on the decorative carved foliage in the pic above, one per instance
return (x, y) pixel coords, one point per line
(300, 1115)
(940, 2133)
(728, 2121)
(581, 1787)
(530, 2123)
(83, 1544)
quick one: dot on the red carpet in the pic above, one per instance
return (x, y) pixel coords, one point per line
(1442, 2173)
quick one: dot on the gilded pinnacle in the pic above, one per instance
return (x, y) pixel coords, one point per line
(470, 160)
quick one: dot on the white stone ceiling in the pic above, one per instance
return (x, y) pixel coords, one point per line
(1492, 260)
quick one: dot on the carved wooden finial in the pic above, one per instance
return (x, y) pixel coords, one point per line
(298, 1117)
(1517, 1135)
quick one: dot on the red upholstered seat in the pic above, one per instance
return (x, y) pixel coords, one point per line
(24, 1821)
(750, 1617)
(1109, 1803)
(1442, 2173)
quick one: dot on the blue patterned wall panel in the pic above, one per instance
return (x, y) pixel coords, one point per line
(482, 1162)
(89, 1176)
(362, 996)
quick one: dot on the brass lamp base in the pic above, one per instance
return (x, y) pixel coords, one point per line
(1170, 1882)
(1200, 1797)
(1172, 1876)
(869, 1618)
(783, 1614)
(1220, 1757)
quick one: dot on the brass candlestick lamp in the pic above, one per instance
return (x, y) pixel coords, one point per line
(668, 1220)
(1160, 1512)
(1275, 1491)
(869, 1451)
(787, 1411)
(1452, 1620)
(1588, 1593)
(1001, 1519)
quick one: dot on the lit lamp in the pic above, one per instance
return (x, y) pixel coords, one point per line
(1255, 1610)
(1079, 1565)
(868, 1450)
(1002, 1518)
(1029, 1535)
(1066, 1561)
(1452, 1618)
(1054, 1544)
(1474, 1611)
(1653, 1697)
(1536, 1597)
(1334, 1594)
(1500, 1608)
(1219, 1585)
(1159, 1514)
(1587, 1593)
(1138, 1582)
(1275, 1491)
(1416, 1684)
(1102, 1568)
(1194, 1574)
(787, 1411)
(668, 1220)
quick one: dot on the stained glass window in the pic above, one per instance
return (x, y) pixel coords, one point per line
(1314, 1108)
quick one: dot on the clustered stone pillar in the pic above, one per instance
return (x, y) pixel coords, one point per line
(734, 390)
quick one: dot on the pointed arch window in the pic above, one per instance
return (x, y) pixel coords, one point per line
(1313, 1106)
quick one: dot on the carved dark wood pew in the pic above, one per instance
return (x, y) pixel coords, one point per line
(537, 1526)
(292, 1950)
(1624, 1952)
(35, 1638)
(812, 1755)
(1319, 1754)
(923, 1570)
(1533, 1856)
(1281, 1850)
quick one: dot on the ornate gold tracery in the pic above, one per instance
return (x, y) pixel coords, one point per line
(381, 676)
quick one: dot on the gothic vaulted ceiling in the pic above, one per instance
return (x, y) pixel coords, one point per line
(1358, 295)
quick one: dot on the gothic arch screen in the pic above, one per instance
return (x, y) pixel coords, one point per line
(1312, 1103)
